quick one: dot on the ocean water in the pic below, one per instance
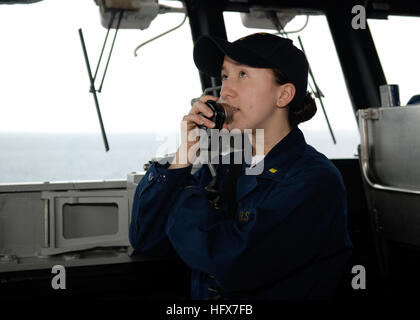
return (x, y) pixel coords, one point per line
(38, 157)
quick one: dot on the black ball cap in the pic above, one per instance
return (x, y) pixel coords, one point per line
(258, 50)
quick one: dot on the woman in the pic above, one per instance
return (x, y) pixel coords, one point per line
(287, 236)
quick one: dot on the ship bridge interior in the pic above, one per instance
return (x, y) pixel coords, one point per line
(49, 223)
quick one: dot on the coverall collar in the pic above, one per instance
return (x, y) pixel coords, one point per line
(276, 162)
(284, 153)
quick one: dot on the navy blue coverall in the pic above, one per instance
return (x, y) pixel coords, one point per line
(289, 239)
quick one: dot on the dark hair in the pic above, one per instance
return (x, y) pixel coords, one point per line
(297, 114)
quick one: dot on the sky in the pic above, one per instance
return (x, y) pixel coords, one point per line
(44, 85)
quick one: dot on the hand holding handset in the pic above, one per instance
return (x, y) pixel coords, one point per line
(222, 113)
(205, 113)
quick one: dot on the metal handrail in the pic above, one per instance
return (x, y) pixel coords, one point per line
(364, 115)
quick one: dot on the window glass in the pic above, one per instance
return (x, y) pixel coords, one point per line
(397, 46)
(323, 60)
(49, 129)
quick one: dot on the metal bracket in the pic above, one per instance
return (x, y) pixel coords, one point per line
(46, 223)
(369, 114)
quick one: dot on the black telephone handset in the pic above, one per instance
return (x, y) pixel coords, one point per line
(221, 113)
